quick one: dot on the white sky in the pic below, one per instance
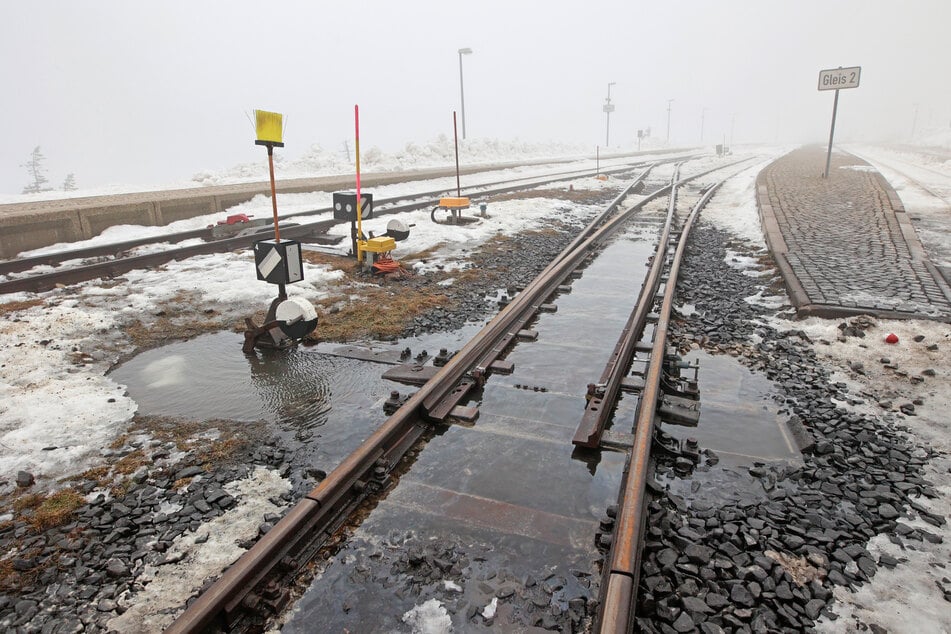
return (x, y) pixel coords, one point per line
(128, 92)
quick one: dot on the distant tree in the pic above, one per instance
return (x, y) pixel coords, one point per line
(69, 184)
(35, 169)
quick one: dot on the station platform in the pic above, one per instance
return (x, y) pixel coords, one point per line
(845, 244)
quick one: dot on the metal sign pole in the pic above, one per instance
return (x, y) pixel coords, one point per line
(455, 135)
(356, 133)
(835, 106)
(835, 79)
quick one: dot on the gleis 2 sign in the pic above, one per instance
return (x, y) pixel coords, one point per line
(840, 78)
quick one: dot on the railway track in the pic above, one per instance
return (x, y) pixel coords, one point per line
(495, 373)
(905, 169)
(115, 259)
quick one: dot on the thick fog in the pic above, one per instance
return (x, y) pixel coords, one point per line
(150, 93)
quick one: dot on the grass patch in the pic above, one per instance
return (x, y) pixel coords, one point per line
(43, 512)
(584, 196)
(56, 509)
(165, 329)
(28, 501)
(380, 313)
(12, 307)
(220, 451)
(334, 262)
(175, 319)
(131, 463)
(95, 474)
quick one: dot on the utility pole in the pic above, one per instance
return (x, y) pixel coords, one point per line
(702, 115)
(669, 101)
(462, 91)
(914, 123)
(608, 109)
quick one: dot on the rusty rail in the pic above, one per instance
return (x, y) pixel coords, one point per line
(118, 266)
(596, 413)
(346, 486)
(327, 505)
(622, 568)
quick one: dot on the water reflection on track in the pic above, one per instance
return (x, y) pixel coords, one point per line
(503, 497)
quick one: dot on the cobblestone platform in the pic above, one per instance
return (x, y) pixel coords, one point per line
(844, 244)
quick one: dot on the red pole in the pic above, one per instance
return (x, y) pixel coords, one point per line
(270, 163)
(359, 210)
(455, 134)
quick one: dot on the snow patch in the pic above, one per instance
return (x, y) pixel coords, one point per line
(169, 586)
(429, 618)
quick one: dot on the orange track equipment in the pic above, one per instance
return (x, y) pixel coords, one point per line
(386, 264)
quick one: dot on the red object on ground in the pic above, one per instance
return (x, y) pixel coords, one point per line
(235, 219)
(891, 338)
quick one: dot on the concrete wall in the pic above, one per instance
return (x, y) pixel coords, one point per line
(27, 226)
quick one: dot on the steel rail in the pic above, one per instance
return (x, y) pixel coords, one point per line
(510, 320)
(51, 259)
(113, 268)
(595, 417)
(623, 563)
(346, 486)
(384, 447)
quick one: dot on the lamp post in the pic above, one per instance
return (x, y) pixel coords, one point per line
(669, 101)
(462, 92)
(608, 109)
(703, 113)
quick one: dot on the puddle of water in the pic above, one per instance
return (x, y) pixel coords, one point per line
(739, 418)
(508, 489)
(209, 377)
(303, 393)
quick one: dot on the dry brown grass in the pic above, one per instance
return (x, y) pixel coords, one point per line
(231, 440)
(175, 319)
(13, 581)
(165, 329)
(584, 196)
(418, 256)
(382, 312)
(57, 509)
(220, 451)
(131, 463)
(12, 307)
(28, 501)
(46, 511)
(337, 262)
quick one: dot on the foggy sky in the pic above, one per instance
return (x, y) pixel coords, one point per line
(124, 92)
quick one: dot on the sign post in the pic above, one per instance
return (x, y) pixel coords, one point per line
(269, 127)
(837, 79)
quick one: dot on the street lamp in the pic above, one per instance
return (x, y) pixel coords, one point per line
(702, 115)
(669, 101)
(608, 109)
(462, 93)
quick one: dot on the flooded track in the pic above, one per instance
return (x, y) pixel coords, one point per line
(495, 521)
(505, 492)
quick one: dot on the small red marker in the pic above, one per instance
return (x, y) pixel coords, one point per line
(891, 338)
